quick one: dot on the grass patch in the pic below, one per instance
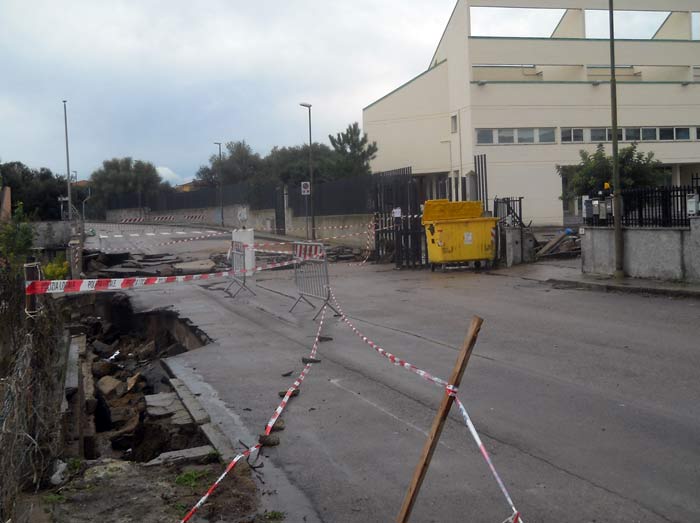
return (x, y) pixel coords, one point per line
(191, 478)
(274, 515)
(54, 499)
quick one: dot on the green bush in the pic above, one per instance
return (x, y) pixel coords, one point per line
(57, 269)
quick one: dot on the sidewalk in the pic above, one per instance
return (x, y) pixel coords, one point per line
(567, 274)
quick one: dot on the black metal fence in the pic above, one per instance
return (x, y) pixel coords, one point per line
(509, 210)
(646, 207)
(347, 196)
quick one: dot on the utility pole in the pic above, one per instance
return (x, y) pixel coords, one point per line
(617, 207)
(70, 199)
(221, 185)
(311, 177)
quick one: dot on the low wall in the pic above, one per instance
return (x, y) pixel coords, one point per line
(51, 234)
(352, 228)
(664, 254)
(235, 216)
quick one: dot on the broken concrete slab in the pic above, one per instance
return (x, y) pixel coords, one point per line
(195, 454)
(168, 404)
(195, 267)
(191, 403)
(110, 387)
(219, 441)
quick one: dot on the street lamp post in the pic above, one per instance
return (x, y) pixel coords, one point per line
(65, 125)
(617, 207)
(311, 176)
(221, 185)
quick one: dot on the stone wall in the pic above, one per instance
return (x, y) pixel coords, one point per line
(663, 253)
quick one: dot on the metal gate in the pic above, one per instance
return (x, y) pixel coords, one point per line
(399, 235)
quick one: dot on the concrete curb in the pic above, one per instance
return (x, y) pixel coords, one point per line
(614, 287)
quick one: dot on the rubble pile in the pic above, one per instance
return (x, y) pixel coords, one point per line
(130, 409)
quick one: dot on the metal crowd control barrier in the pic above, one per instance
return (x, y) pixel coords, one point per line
(240, 255)
(311, 275)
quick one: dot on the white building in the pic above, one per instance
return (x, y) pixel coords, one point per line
(531, 103)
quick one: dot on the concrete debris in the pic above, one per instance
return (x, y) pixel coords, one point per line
(193, 455)
(306, 361)
(168, 404)
(283, 393)
(191, 403)
(59, 475)
(271, 440)
(111, 387)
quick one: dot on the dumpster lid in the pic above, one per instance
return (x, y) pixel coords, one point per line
(443, 210)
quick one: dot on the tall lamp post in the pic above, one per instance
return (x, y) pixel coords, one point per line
(221, 185)
(65, 125)
(617, 207)
(311, 176)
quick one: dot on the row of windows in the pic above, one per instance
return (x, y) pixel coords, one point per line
(523, 135)
(629, 134)
(580, 134)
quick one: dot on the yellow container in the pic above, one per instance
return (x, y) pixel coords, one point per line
(456, 232)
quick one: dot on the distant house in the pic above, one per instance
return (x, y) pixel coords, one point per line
(531, 103)
(187, 187)
(81, 184)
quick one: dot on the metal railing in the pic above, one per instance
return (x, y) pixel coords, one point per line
(311, 275)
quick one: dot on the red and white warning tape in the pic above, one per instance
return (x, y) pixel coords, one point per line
(268, 427)
(195, 238)
(114, 284)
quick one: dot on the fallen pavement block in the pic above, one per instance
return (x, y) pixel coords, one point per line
(192, 404)
(111, 387)
(167, 404)
(195, 454)
(279, 425)
(219, 441)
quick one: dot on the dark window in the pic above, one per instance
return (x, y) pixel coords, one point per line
(547, 135)
(566, 134)
(682, 133)
(633, 134)
(649, 134)
(526, 136)
(599, 135)
(506, 136)
(578, 135)
(453, 123)
(484, 136)
(666, 133)
(610, 135)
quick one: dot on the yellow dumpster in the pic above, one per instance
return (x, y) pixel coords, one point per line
(456, 232)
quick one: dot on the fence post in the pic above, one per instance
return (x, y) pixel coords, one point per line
(31, 273)
(439, 422)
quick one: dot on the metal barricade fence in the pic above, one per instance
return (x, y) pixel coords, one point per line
(311, 274)
(238, 257)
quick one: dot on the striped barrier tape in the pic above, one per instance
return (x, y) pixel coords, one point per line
(451, 391)
(323, 228)
(368, 246)
(268, 427)
(117, 284)
(195, 238)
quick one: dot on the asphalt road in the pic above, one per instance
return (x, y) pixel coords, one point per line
(588, 402)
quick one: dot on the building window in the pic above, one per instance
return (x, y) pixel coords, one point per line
(506, 136)
(453, 124)
(599, 135)
(649, 134)
(569, 134)
(546, 135)
(682, 133)
(666, 133)
(610, 134)
(633, 134)
(526, 136)
(484, 136)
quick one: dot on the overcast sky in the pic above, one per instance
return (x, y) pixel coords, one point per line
(162, 80)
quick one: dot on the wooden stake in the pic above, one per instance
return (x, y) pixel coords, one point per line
(439, 422)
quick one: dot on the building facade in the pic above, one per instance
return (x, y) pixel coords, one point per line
(530, 104)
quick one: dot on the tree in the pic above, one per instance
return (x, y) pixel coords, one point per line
(37, 189)
(290, 165)
(16, 237)
(590, 175)
(354, 151)
(125, 180)
(239, 163)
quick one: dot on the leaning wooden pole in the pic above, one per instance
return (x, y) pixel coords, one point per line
(439, 422)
